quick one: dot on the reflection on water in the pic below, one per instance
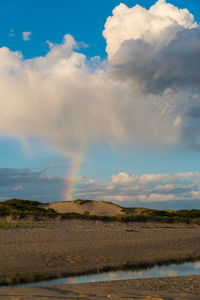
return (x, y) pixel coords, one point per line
(192, 268)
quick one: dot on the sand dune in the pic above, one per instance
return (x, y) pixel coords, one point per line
(82, 206)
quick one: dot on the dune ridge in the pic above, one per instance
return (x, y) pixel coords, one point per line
(86, 206)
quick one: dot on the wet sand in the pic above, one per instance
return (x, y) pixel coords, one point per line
(175, 288)
(78, 246)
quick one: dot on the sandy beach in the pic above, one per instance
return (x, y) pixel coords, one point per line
(77, 246)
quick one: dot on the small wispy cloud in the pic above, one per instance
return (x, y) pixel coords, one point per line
(11, 33)
(18, 188)
(26, 35)
(65, 164)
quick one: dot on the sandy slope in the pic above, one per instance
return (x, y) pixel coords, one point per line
(93, 207)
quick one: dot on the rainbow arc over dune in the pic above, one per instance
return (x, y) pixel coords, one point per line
(72, 178)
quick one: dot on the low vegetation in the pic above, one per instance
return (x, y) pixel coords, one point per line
(168, 216)
(18, 209)
(22, 208)
(81, 202)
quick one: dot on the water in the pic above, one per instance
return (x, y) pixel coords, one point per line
(192, 268)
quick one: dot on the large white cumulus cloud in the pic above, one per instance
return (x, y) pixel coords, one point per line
(148, 92)
(55, 97)
(156, 26)
(62, 99)
(156, 48)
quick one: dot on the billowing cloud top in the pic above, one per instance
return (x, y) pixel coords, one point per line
(156, 26)
(156, 49)
(147, 94)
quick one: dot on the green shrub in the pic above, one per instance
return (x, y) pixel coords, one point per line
(86, 213)
(24, 207)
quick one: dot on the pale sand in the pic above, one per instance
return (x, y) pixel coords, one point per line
(93, 207)
(73, 246)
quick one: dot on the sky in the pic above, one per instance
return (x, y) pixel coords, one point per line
(100, 100)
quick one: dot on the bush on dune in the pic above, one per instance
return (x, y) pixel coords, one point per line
(23, 208)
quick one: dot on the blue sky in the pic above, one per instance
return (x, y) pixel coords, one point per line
(138, 139)
(50, 20)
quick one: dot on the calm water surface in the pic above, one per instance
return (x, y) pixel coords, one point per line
(192, 268)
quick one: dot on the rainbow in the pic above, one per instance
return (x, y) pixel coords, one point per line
(73, 177)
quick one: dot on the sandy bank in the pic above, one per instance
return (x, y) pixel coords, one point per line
(76, 246)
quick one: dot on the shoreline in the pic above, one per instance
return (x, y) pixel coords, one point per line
(28, 278)
(165, 288)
